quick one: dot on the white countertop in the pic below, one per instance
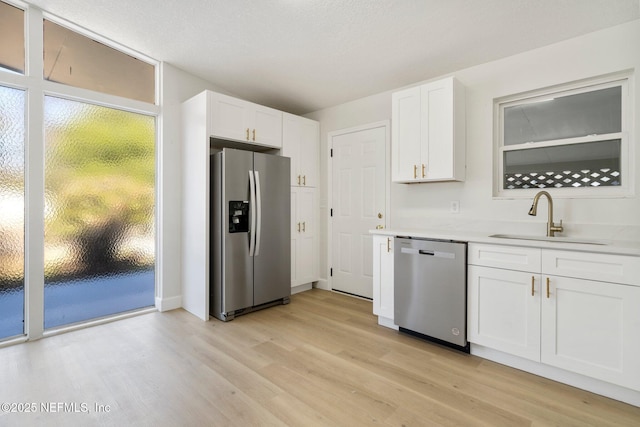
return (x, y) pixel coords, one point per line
(617, 247)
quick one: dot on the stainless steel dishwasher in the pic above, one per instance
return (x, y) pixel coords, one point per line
(430, 290)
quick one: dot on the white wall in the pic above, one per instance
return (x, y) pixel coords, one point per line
(177, 86)
(427, 205)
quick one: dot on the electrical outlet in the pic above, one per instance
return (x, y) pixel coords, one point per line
(454, 207)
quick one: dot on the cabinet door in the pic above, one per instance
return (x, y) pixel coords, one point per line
(592, 328)
(300, 142)
(266, 125)
(504, 310)
(592, 266)
(304, 246)
(291, 135)
(437, 143)
(309, 152)
(383, 276)
(239, 120)
(505, 257)
(405, 135)
(229, 117)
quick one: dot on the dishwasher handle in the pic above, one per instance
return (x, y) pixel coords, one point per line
(413, 251)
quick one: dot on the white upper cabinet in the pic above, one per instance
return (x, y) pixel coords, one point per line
(300, 142)
(243, 121)
(428, 133)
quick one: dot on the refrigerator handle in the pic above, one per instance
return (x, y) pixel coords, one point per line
(259, 216)
(252, 209)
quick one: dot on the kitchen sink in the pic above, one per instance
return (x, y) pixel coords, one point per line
(549, 239)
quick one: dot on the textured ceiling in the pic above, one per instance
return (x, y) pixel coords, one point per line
(305, 55)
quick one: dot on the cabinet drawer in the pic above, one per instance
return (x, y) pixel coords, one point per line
(592, 266)
(507, 257)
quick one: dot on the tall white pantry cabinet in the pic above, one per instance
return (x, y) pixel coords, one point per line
(243, 125)
(301, 142)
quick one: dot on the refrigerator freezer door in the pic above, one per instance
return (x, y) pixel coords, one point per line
(234, 286)
(272, 264)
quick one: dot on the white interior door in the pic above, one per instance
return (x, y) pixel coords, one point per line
(358, 203)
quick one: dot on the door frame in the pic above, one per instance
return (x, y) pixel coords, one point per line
(386, 124)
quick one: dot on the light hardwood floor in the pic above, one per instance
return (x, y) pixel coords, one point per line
(321, 360)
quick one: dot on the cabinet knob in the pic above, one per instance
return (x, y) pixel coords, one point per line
(415, 171)
(423, 166)
(379, 215)
(304, 179)
(298, 227)
(388, 244)
(379, 227)
(247, 134)
(304, 227)
(298, 179)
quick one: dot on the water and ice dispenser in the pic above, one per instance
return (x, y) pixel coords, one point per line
(238, 216)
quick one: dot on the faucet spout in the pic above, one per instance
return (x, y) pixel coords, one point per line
(552, 228)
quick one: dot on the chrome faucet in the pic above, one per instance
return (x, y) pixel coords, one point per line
(551, 227)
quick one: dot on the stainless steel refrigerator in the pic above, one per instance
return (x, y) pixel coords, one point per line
(250, 232)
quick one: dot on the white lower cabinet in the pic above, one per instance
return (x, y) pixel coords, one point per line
(504, 310)
(592, 328)
(383, 280)
(584, 326)
(304, 237)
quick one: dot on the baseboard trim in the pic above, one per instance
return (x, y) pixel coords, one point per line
(301, 288)
(167, 304)
(322, 284)
(385, 321)
(593, 385)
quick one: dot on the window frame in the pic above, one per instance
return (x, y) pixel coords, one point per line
(36, 88)
(627, 158)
